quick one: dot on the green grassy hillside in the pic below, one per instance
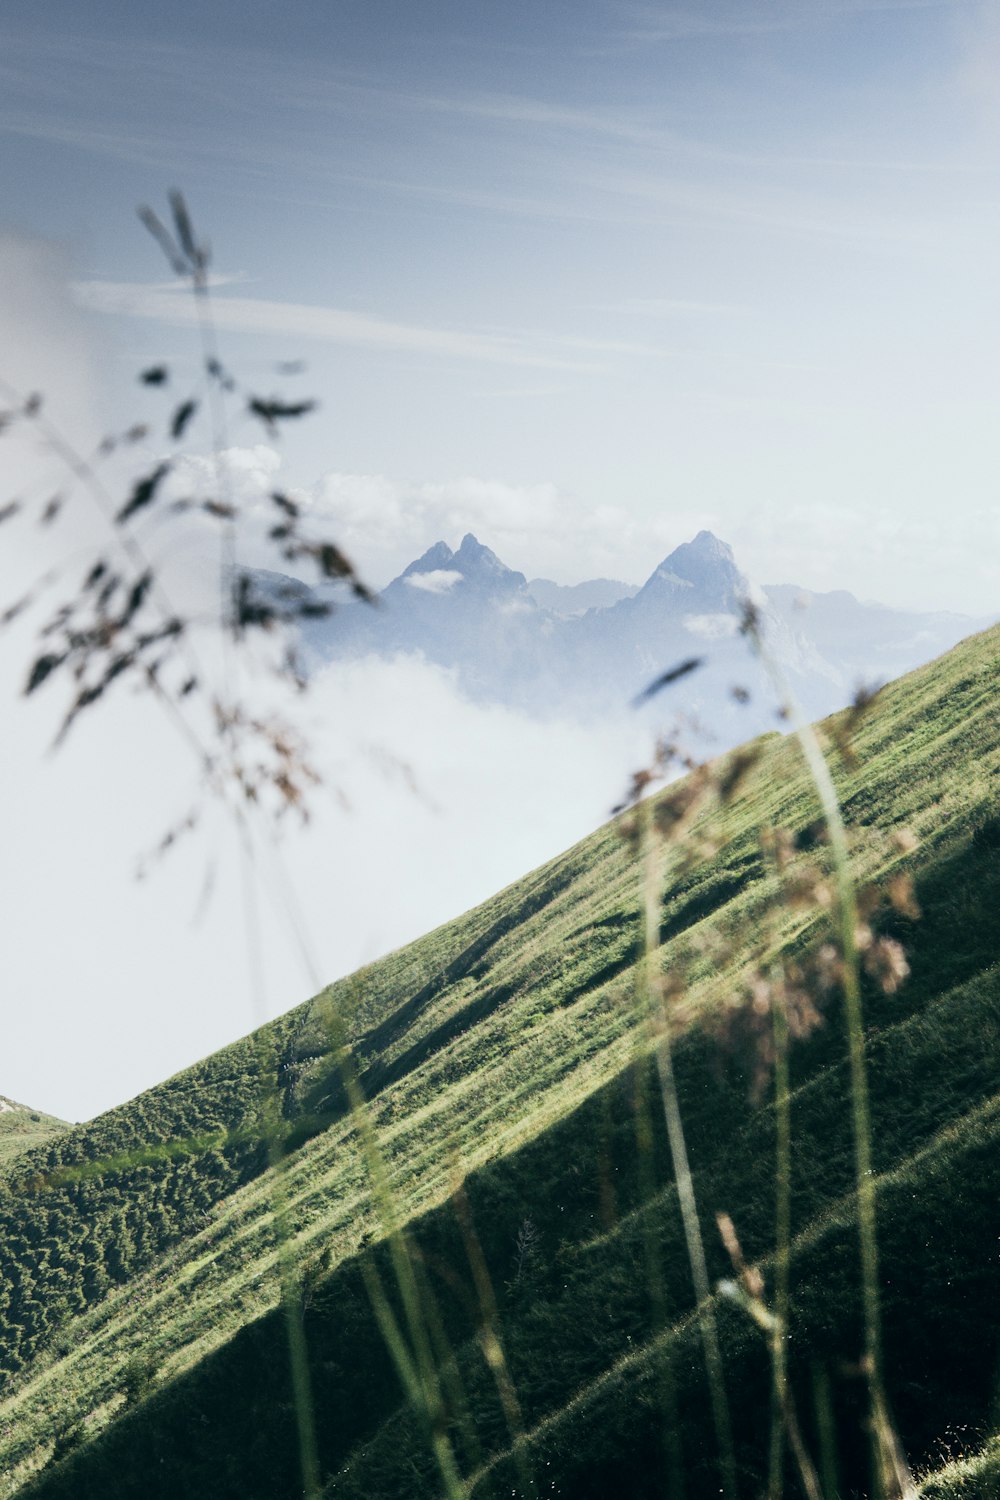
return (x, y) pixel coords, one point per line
(143, 1346)
(22, 1127)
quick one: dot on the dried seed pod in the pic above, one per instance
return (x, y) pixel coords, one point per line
(885, 960)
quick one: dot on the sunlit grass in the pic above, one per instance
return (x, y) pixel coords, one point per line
(516, 1062)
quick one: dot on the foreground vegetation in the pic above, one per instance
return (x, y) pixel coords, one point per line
(514, 1107)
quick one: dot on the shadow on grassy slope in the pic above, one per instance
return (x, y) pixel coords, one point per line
(577, 1319)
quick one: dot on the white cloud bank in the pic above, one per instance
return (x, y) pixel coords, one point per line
(929, 563)
(716, 627)
(385, 522)
(438, 581)
(538, 529)
(430, 805)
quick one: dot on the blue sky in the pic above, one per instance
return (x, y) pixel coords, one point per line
(581, 277)
(723, 264)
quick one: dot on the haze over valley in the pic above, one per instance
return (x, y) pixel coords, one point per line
(587, 651)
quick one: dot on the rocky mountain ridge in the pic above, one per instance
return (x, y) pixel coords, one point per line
(467, 611)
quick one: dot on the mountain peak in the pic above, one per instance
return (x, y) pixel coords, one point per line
(705, 566)
(438, 556)
(707, 544)
(472, 550)
(475, 561)
(701, 559)
(472, 564)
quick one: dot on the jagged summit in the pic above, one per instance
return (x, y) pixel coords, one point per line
(584, 650)
(707, 544)
(438, 556)
(704, 562)
(705, 566)
(475, 562)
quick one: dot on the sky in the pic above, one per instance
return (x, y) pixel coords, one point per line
(581, 277)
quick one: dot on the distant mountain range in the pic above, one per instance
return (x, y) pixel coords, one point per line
(577, 598)
(589, 649)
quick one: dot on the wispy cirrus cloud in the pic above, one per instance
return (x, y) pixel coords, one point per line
(162, 304)
(656, 24)
(667, 307)
(782, 210)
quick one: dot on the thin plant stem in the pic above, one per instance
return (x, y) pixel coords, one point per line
(422, 1362)
(83, 470)
(298, 1349)
(415, 1306)
(782, 1234)
(449, 1375)
(646, 1186)
(417, 1372)
(748, 1291)
(298, 1355)
(847, 923)
(681, 1165)
(220, 443)
(489, 1333)
(807, 1472)
(823, 1403)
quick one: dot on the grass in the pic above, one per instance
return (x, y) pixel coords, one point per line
(22, 1128)
(976, 1477)
(509, 1042)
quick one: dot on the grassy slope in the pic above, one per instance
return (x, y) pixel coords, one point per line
(508, 1040)
(21, 1128)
